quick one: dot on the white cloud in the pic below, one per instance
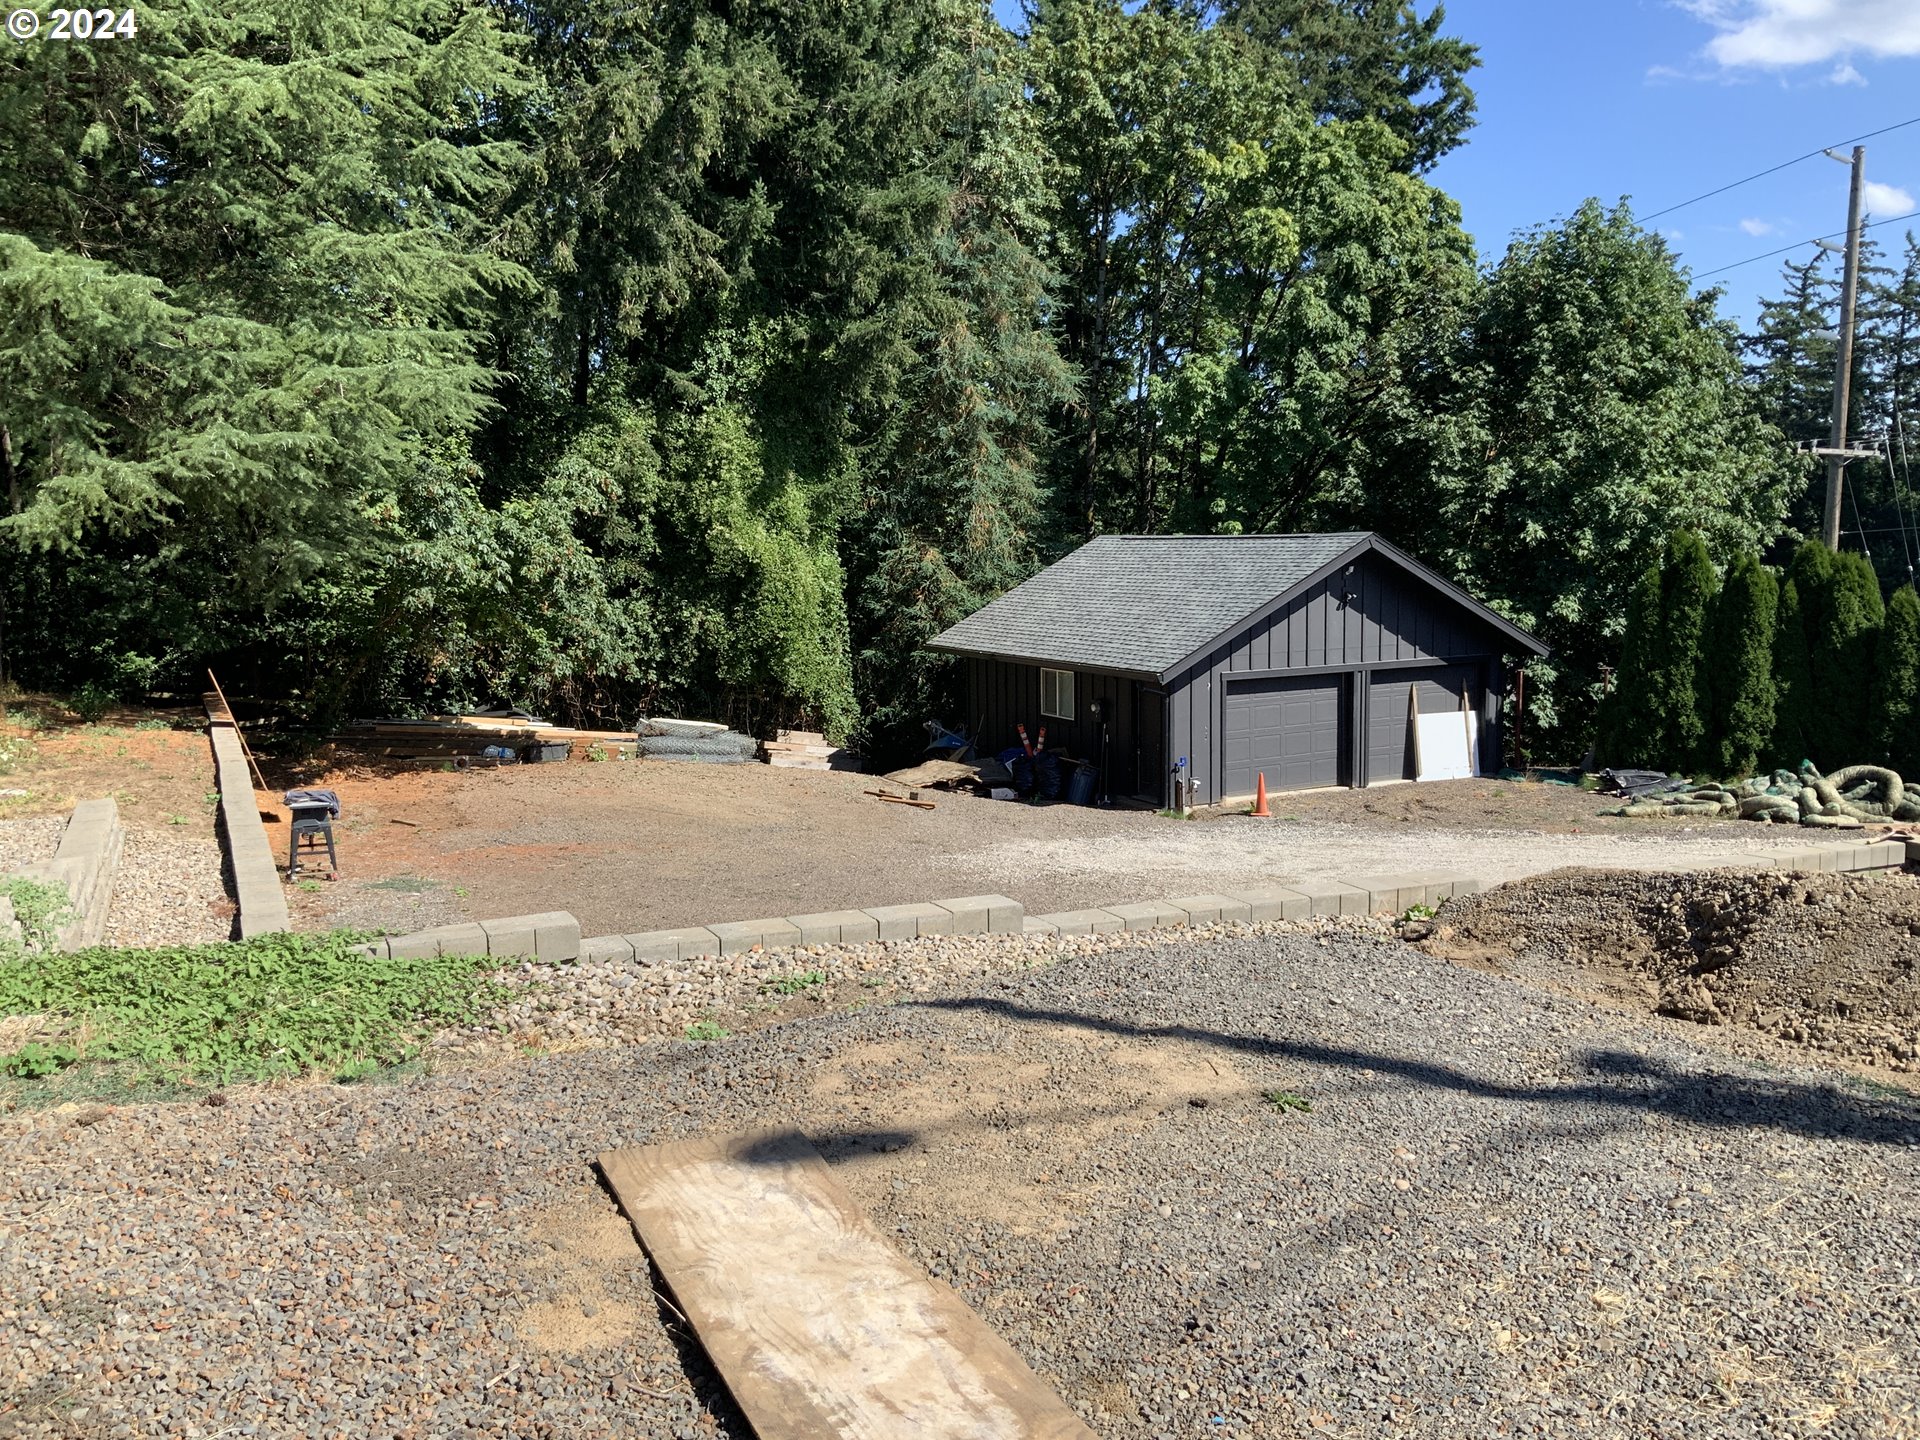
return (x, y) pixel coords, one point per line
(1780, 34)
(1884, 202)
(1756, 227)
(1675, 235)
(1845, 74)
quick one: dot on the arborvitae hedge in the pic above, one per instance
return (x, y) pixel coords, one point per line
(1740, 669)
(1626, 738)
(1676, 694)
(1843, 661)
(1796, 707)
(1896, 690)
(1659, 713)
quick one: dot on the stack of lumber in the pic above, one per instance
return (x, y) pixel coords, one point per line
(806, 750)
(456, 735)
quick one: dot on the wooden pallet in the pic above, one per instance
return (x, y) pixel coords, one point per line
(819, 1327)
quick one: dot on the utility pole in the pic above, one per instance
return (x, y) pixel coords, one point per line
(1843, 363)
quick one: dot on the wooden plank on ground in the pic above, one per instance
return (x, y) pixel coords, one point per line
(818, 1325)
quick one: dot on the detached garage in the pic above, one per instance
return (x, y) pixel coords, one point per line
(1301, 657)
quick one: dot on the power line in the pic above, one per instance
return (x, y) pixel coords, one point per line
(1784, 249)
(1775, 169)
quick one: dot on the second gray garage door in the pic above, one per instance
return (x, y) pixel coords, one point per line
(1292, 730)
(1389, 733)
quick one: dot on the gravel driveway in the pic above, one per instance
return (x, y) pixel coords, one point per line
(1506, 1213)
(1141, 864)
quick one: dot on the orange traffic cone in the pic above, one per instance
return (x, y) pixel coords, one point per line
(1260, 799)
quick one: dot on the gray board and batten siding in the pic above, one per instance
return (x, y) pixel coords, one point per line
(1288, 655)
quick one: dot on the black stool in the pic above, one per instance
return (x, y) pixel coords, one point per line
(312, 832)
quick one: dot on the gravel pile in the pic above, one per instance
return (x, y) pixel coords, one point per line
(1504, 1213)
(1830, 961)
(169, 891)
(24, 841)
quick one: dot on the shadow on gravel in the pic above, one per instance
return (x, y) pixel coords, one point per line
(1631, 1082)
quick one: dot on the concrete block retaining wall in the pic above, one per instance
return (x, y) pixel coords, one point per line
(256, 879)
(555, 938)
(86, 865)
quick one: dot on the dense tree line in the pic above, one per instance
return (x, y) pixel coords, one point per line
(1724, 676)
(711, 357)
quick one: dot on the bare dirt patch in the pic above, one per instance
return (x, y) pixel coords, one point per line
(593, 1266)
(1829, 961)
(1009, 1106)
(154, 762)
(642, 845)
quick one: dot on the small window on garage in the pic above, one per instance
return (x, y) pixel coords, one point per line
(1056, 694)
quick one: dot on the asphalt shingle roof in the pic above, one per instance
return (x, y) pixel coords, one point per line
(1142, 603)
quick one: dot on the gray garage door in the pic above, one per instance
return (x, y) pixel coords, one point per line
(1389, 735)
(1292, 730)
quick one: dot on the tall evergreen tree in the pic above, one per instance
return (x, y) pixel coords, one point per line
(1628, 735)
(1661, 711)
(1676, 700)
(952, 493)
(1827, 672)
(242, 258)
(1739, 668)
(1795, 708)
(1842, 651)
(1896, 686)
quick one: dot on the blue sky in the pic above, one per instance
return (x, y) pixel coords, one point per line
(1661, 100)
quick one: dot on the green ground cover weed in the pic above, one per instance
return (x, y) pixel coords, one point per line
(290, 1004)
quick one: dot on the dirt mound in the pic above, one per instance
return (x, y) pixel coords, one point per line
(1827, 961)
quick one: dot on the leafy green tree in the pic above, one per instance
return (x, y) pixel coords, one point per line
(1896, 686)
(1738, 664)
(1613, 413)
(1243, 288)
(1369, 60)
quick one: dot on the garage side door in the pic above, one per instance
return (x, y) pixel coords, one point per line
(1293, 730)
(1389, 733)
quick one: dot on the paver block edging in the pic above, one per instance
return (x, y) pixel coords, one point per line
(1332, 897)
(985, 914)
(551, 937)
(737, 937)
(1211, 908)
(606, 950)
(686, 942)
(1273, 902)
(908, 922)
(85, 865)
(1148, 914)
(835, 927)
(1082, 922)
